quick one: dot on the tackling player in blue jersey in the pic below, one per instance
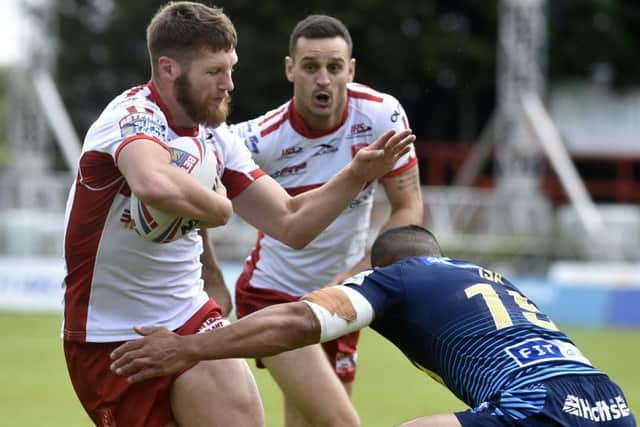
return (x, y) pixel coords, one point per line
(467, 327)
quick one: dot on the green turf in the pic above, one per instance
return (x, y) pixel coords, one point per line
(36, 391)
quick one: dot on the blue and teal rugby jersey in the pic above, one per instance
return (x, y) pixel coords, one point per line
(467, 327)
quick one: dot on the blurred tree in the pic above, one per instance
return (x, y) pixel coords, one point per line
(4, 128)
(436, 56)
(596, 40)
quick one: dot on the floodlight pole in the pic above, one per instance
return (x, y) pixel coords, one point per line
(521, 65)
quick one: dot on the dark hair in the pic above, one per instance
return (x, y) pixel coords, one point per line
(319, 27)
(183, 29)
(398, 243)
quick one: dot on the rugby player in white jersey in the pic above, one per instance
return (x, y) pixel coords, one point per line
(302, 145)
(115, 279)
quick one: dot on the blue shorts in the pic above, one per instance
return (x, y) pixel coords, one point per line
(568, 400)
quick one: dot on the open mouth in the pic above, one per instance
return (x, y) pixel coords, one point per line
(322, 98)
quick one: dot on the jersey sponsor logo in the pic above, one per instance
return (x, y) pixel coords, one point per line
(359, 130)
(538, 350)
(325, 149)
(291, 151)
(252, 144)
(396, 113)
(290, 170)
(345, 362)
(142, 123)
(183, 159)
(599, 411)
(212, 323)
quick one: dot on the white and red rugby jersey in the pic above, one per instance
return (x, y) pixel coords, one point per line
(301, 159)
(115, 279)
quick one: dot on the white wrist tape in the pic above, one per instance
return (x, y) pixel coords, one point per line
(333, 322)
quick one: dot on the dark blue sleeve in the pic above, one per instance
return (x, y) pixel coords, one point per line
(382, 287)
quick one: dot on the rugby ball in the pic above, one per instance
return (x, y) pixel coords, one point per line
(154, 225)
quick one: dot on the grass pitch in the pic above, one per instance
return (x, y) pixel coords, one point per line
(36, 391)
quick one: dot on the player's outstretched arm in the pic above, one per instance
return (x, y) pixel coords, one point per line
(297, 220)
(264, 333)
(324, 315)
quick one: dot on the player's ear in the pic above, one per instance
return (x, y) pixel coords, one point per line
(288, 68)
(352, 69)
(169, 68)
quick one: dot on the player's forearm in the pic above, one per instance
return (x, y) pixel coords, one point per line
(265, 333)
(178, 193)
(315, 210)
(404, 216)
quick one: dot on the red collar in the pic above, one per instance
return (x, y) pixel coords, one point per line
(298, 123)
(155, 97)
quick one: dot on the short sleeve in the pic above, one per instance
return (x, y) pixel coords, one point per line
(239, 170)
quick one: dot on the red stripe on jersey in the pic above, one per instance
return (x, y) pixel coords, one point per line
(97, 170)
(92, 201)
(413, 160)
(135, 138)
(132, 109)
(135, 90)
(266, 131)
(363, 95)
(404, 122)
(236, 182)
(271, 116)
(294, 191)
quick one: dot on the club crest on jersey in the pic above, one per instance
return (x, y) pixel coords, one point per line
(142, 122)
(360, 130)
(183, 159)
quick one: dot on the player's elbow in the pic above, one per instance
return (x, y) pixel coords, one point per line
(221, 213)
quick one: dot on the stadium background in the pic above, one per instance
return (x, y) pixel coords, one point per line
(452, 65)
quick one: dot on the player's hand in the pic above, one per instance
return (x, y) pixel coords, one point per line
(221, 190)
(159, 353)
(379, 157)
